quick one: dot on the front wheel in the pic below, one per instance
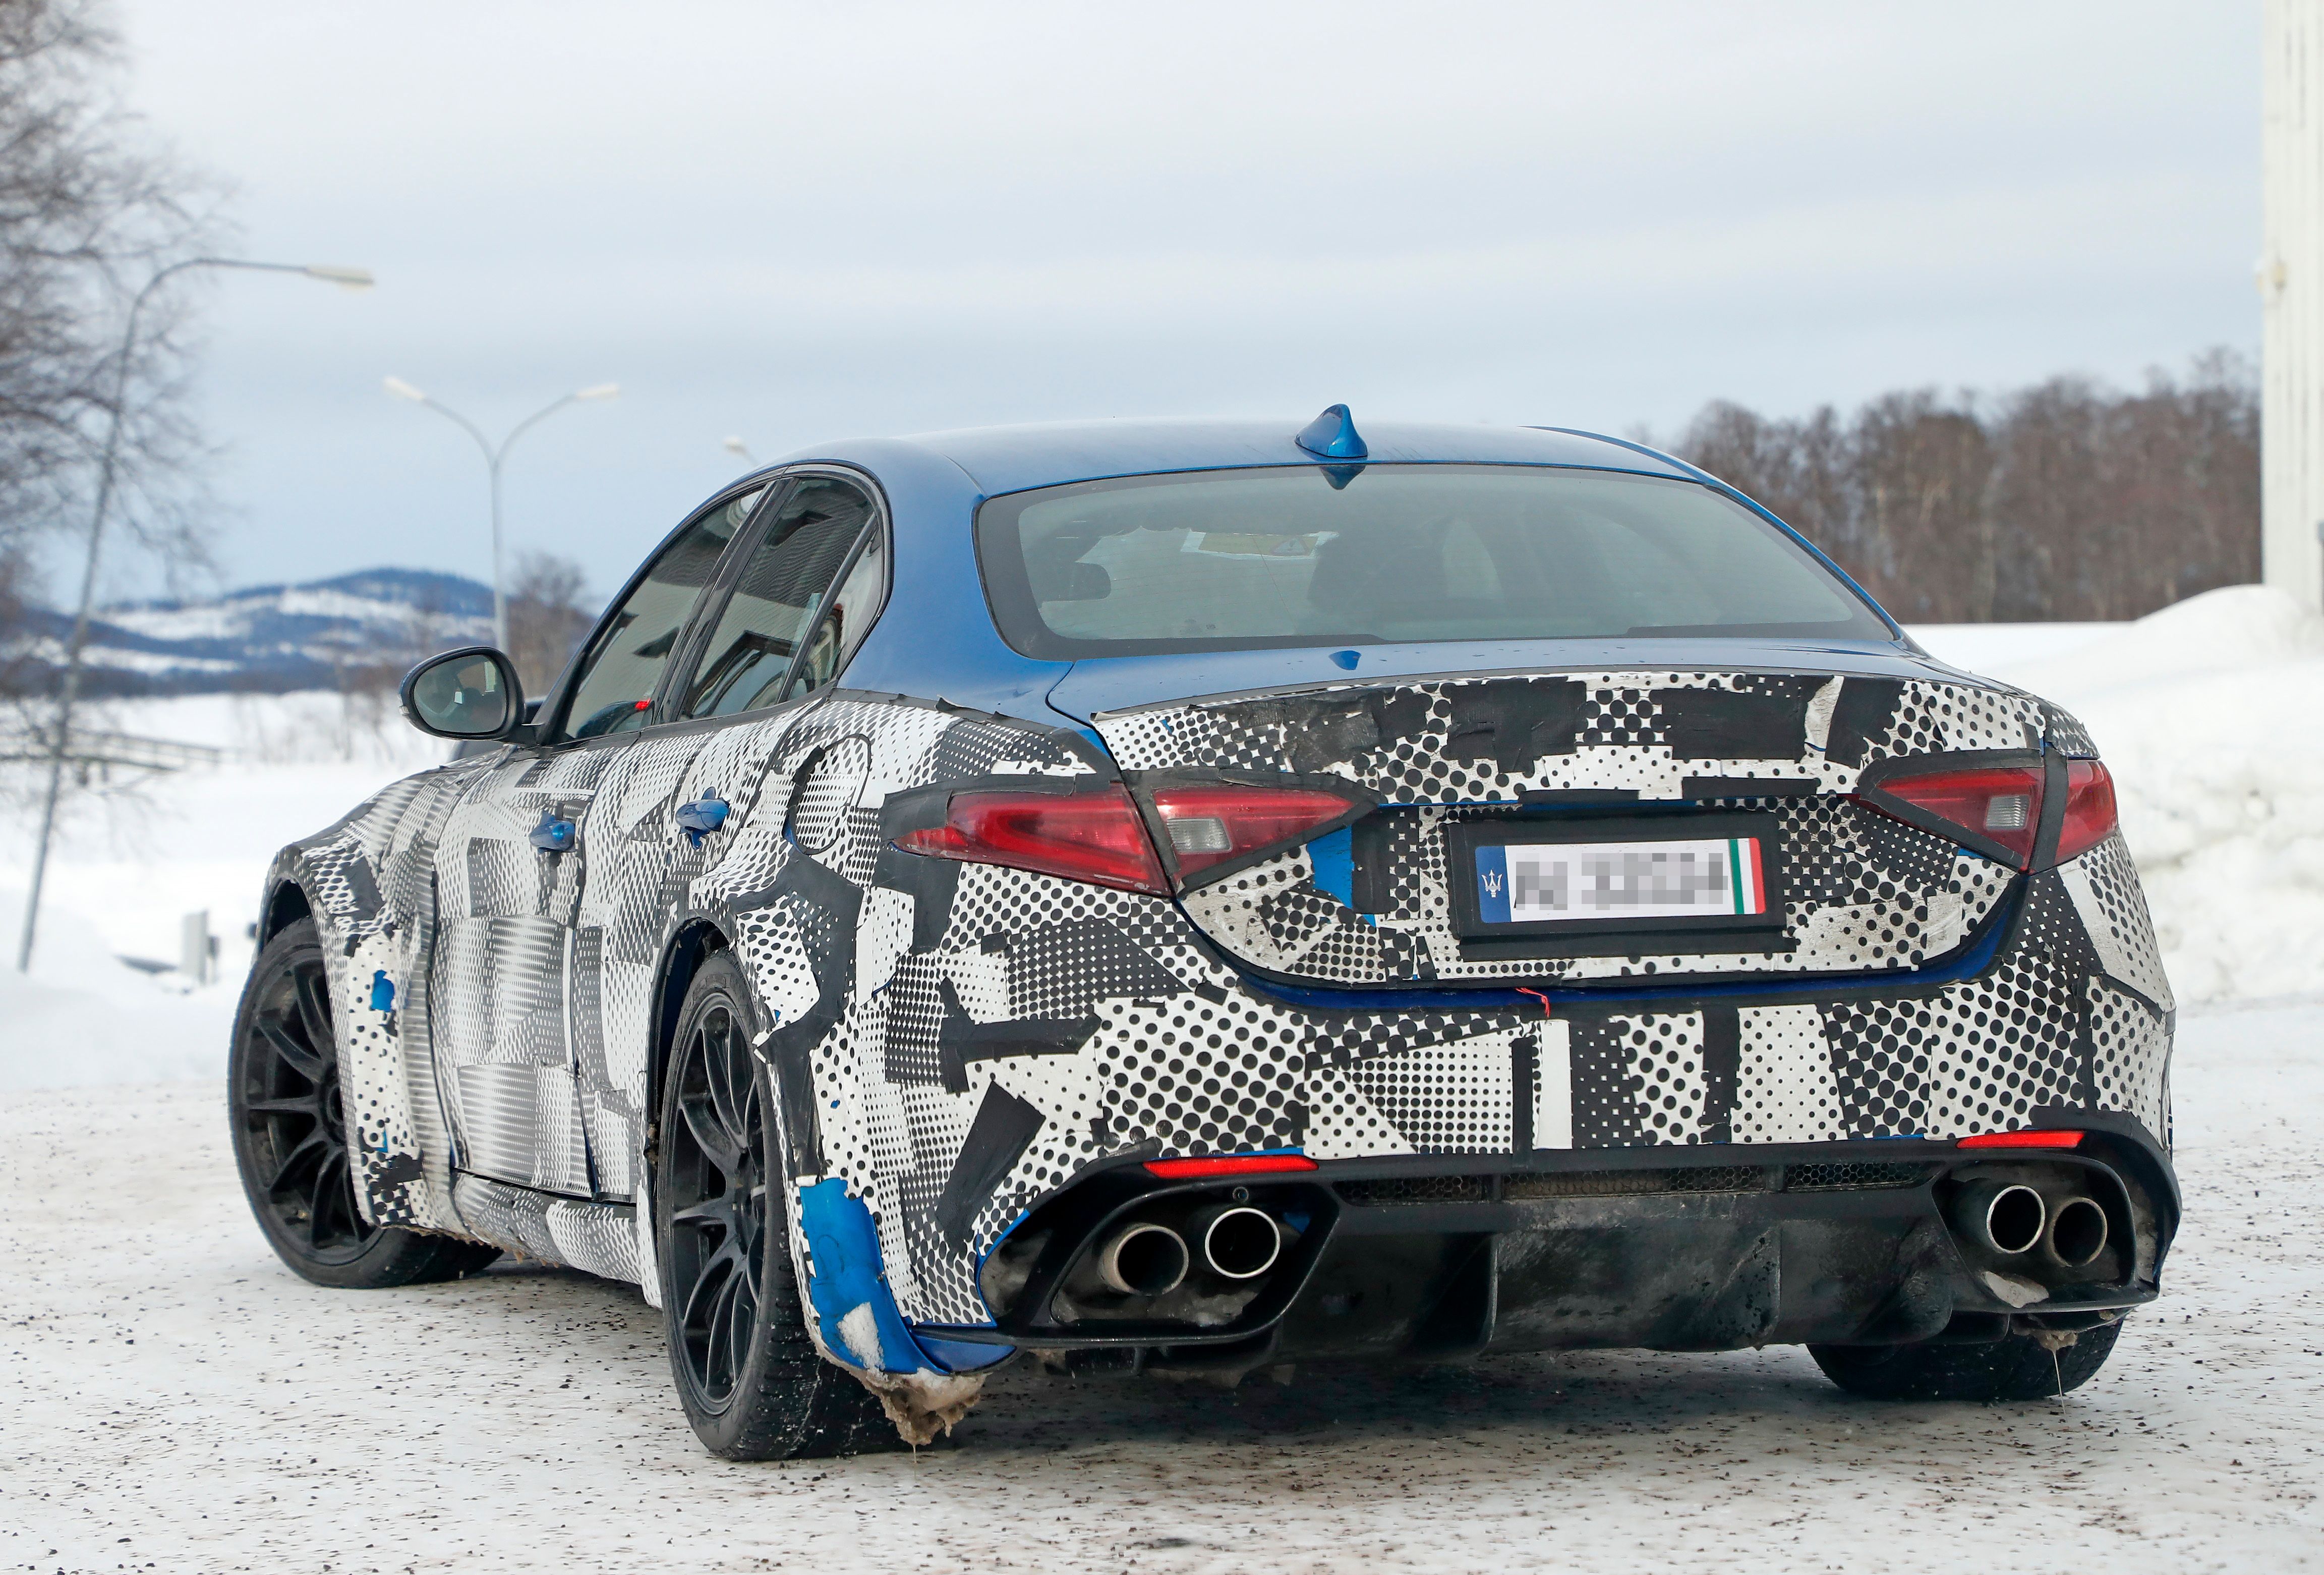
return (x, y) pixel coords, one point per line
(752, 1383)
(2018, 1366)
(290, 1134)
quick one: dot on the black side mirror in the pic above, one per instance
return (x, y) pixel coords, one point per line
(469, 693)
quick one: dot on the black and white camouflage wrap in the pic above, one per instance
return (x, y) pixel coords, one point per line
(969, 1038)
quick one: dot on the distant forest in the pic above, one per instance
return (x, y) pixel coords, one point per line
(2068, 500)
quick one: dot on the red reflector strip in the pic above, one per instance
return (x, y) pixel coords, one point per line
(1230, 1164)
(2021, 1140)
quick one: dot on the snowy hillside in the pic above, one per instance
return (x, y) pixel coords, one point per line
(270, 638)
(2211, 714)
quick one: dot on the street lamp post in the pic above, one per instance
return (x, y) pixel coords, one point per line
(69, 689)
(493, 458)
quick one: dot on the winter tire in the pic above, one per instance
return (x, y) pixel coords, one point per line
(290, 1134)
(2018, 1367)
(753, 1382)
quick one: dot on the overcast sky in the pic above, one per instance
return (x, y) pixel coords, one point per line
(798, 222)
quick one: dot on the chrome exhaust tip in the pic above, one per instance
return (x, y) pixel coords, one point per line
(2078, 1233)
(2004, 1217)
(1143, 1260)
(1241, 1244)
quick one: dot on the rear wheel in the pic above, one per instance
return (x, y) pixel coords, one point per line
(2017, 1368)
(290, 1134)
(752, 1383)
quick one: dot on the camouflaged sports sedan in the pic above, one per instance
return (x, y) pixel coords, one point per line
(1211, 896)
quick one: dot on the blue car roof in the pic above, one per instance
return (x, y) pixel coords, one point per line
(1012, 458)
(937, 639)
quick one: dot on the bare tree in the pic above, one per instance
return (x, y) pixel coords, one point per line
(88, 211)
(2067, 500)
(547, 617)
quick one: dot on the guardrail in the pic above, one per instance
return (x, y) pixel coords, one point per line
(85, 747)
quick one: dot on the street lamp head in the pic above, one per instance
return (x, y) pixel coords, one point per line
(600, 391)
(351, 278)
(403, 389)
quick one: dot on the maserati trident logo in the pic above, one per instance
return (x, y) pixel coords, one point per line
(1492, 880)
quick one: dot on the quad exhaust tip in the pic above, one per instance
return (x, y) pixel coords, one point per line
(1241, 1244)
(2006, 1218)
(2078, 1233)
(1144, 1260)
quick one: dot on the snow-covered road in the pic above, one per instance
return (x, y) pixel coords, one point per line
(175, 1399)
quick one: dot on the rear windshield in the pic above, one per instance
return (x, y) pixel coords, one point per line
(1382, 554)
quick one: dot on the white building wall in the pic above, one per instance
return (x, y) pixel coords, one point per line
(2292, 293)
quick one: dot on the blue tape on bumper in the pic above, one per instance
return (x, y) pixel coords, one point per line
(844, 1273)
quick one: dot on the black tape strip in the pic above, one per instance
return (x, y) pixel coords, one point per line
(1525, 1056)
(1514, 723)
(961, 1040)
(1766, 722)
(1861, 715)
(1722, 1059)
(1004, 1127)
(363, 890)
(1747, 787)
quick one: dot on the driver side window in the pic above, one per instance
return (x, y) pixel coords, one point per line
(614, 690)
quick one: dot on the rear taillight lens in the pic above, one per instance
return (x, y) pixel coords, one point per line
(1096, 837)
(1209, 825)
(1994, 803)
(2002, 804)
(2090, 809)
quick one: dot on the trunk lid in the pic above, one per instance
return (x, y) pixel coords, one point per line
(1627, 767)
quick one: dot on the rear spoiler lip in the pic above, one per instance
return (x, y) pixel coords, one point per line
(1094, 688)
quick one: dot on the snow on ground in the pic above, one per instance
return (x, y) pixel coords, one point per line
(175, 1399)
(2211, 714)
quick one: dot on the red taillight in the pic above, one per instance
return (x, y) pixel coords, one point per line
(1096, 837)
(1209, 825)
(2090, 809)
(2002, 804)
(1995, 803)
(1231, 1165)
(2046, 1139)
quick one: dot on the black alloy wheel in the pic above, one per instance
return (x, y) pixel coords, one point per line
(751, 1380)
(291, 1134)
(718, 1213)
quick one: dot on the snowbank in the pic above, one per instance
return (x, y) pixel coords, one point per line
(84, 1018)
(2210, 715)
(130, 864)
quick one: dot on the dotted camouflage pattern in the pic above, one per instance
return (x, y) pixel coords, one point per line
(955, 1042)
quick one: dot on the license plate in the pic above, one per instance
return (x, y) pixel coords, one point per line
(1613, 875)
(1549, 883)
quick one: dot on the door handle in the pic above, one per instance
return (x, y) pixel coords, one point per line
(701, 817)
(553, 835)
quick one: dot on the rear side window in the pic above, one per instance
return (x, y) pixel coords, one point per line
(781, 598)
(1381, 554)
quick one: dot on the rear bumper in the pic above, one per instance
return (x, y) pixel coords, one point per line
(1715, 1247)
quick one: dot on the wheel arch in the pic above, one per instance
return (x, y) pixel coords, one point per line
(286, 903)
(694, 943)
